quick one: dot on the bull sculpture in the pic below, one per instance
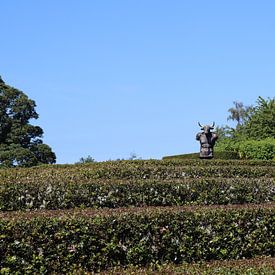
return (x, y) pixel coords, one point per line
(207, 140)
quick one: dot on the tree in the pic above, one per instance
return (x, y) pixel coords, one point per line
(20, 142)
(239, 113)
(261, 122)
(88, 159)
(254, 135)
(224, 132)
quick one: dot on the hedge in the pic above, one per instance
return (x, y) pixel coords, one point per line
(155, 170)
(118, 193)
(257, 149)
(218, 155)
(93, 240)
(259, 265)
(250, 149)
(183, 156)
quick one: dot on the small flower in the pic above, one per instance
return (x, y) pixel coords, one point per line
(72, 248)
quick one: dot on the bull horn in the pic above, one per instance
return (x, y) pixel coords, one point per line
(200, 125)
(213, 125)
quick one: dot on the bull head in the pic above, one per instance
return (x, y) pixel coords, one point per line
(206, 128)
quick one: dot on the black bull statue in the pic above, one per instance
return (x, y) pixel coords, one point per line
(207, 140)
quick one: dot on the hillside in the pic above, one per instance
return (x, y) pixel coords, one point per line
(169, 214)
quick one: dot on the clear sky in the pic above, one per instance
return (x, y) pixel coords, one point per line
(116, 77)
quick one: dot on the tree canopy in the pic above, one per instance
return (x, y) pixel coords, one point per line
(20, 142)
(253, 122)
(239, 112)
(254, 135)
(260, 123)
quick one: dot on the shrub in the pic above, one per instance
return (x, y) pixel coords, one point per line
(257, 149)
(218, 154)
(183, 156)
(139, 170)
(259, 265)
(49, 242)
(117, 193)
(227, 145)
(229, 154)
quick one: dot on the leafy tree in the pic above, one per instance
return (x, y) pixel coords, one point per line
(88, 159)
(239, 113)
(133, 156)
(261, 123)
(20, 142)
(254, 134)
(253, 122)
(224, 132)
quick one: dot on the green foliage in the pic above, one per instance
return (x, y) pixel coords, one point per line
(250, 149)
(139, 170)
(254, 123)
(140, 213)
(137, 183)
(223, 152)
(61, 242)
(88, 159)
(257, 149)
(256, 266)
(261, 124)
(183, 156)
(228, 145)
(226, 154)
(20, 142)
(117, 193)
(223, 132)
(239, 113)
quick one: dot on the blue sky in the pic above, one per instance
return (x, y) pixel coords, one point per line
(116, 77)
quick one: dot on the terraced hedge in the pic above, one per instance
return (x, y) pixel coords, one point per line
(256, 266)
(218, 155)
(138, 170)
(122, 193)
(93, 240)
(140, 213)
(137, 183)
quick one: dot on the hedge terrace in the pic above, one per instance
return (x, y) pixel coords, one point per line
(94, 240)
(139, 217)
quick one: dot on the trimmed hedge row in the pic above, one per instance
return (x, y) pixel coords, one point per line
(183, 156)
(155, 170)
(106, 193)
(261, 265)
(218, 155)
(92, 242)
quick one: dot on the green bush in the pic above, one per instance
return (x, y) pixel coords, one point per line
(227, 145)
(139, 170)
(259, 265)
(226, 155)
(183, 156)
(257, 149)
(117, 193)
(249, 149)
(47, 242)
(218, 155)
